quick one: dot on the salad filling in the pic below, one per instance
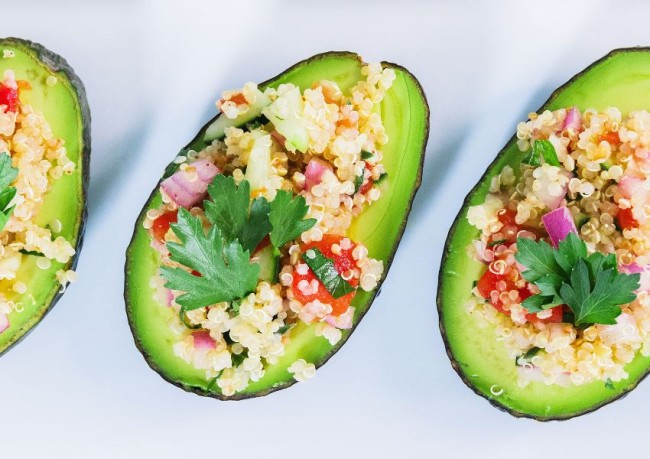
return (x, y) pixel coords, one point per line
(565, 240)
(31, 160)
(252, 231)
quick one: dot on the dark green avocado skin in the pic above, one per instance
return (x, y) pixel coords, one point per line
(461, 368)
(56, 63)
(171, 168)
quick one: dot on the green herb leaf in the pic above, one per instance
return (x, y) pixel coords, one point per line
(324, 269)
(358, 181)
(546, 150)
(539, 259)
(588, 284)
(527, 356)
(286, 216)
(228, 209)
(532, 158)
(285, 328)
(31, 252)
(8, 173)
(609, 384)
(381, 178)
(258, 224)
(238, 359)
(366, 154)
(596, 298)
(226, 271)
(232, 212)
(6, 195)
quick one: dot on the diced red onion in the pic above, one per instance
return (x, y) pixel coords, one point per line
(170, 297)
(203, 340)
(314, 172)
(629, 185)
(344, 321)
(4, 322)
(573, 119)
(187, 193)
(559, 224)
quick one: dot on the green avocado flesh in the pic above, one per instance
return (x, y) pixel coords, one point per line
(620, 79)
(405, 115)
(65, 108)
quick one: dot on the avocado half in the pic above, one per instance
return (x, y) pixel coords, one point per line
(620, 79)
(65, 108)
(405, 114)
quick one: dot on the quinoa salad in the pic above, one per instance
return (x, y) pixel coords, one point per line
(253, 231)
(565, 241)
(31, 160)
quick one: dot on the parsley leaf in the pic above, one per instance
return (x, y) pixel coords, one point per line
(8, 174)
(286, 217)
(324, 269)
(538, 257)
(542, 149)
(588, 284)
(595, 297)
(226, 273)
(546, 149)
(229, 211)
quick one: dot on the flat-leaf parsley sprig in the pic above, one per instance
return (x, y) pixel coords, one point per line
(8, 174)
(590, 285)
(218, 259)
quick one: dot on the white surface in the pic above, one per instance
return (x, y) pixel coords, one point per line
(78, 388)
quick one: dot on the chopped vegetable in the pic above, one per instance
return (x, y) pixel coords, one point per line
(559, 223)
(326, 272)
(287, 218)
(226, 273)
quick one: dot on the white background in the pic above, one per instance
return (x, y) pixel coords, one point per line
(78, 388)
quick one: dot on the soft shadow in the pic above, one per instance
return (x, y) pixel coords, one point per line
(111, 162)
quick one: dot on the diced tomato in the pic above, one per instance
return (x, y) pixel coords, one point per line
(611, 137)
(556, 316)
(343, 263)
(161, 225)
(488, 282)
(510, 227)
(625, 219)
(9, 97)
(238, 98)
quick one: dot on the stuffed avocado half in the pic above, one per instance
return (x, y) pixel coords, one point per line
(44, 155)
(270, 233)
(543, 288)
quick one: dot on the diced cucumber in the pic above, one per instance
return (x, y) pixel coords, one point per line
(217, 130)
(258, 169)
(286, 115)
(269, 264)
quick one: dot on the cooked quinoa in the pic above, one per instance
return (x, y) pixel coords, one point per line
(40, 159)
(344, 141)
(603, 180)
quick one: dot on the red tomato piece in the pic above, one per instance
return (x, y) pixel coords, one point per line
(161, 225)
(344, 262)
(625, 219)
(9, 97)
(611, 137)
